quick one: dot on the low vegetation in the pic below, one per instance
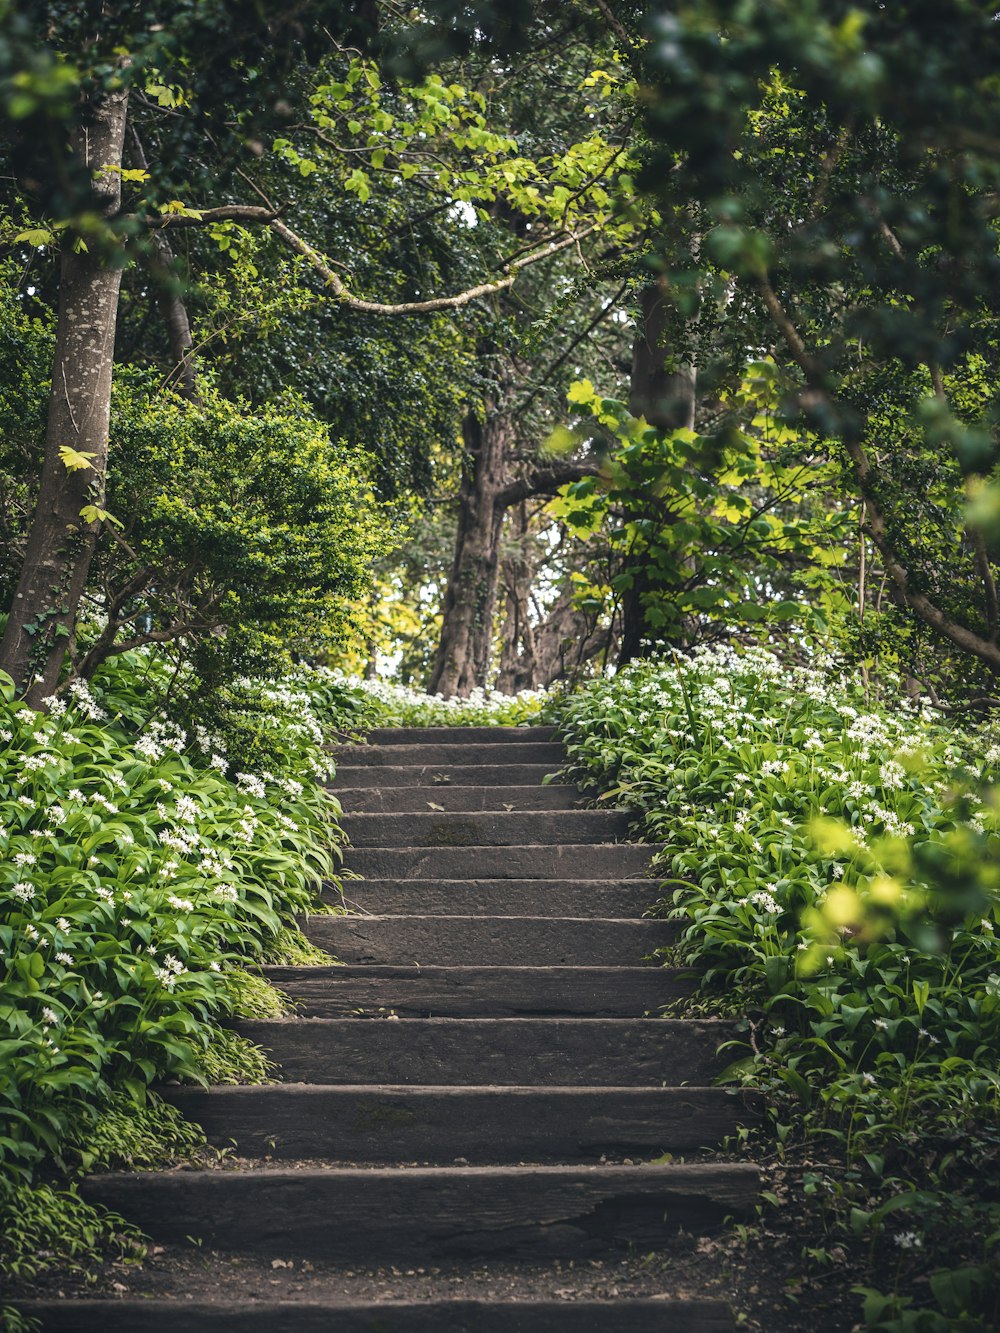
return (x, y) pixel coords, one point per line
(143, 870)
(835, 864)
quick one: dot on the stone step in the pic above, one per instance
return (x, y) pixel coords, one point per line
(434, 776)
(483, 1125)
(123, 1315)
(433, 754)
(523, 941)
(554, 796)
(480, 992)
(433, 828)
(496, 897)
(591, 860)
(505, 1052)
(428, 1212)
(459, 735)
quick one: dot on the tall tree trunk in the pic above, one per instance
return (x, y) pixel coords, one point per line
(183, 373)
(464, 652)
(666, 398)
(517, 648)
(60, 542)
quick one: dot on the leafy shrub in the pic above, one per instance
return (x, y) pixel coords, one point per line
(137, 881)
(838, 878)
(249, 517)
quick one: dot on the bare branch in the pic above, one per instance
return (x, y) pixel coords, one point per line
(616, 26)
(337, 287)
(204, 217)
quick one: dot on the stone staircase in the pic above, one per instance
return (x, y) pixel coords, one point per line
(465, 1086)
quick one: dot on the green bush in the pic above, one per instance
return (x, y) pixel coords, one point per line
(141, 872)
(837, 877)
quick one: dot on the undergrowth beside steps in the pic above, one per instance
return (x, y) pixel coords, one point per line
(835, 862)
(145, 864)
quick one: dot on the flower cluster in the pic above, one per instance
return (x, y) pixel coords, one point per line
(132, 872)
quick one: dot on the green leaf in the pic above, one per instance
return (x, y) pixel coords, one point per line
(75, 460)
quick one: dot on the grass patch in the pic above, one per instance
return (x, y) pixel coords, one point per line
(230, 1058)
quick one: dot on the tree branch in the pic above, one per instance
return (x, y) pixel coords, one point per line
(204, 217)
(270, 217)
(340, 292)
(876, 527)
(543, 481)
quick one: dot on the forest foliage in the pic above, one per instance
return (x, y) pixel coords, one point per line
(495, 347)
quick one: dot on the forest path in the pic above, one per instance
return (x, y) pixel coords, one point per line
(481, 1085)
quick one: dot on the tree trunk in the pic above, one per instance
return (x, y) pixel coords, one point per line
(566, 640)
(60, 542)
(465, 650)
(183, 373)
(517, 635)
(666, 399)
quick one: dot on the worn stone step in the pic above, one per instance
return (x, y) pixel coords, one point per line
(507, 1052)
(432, 776)
(514, 940)
(496, 897)
(480, 992)
(591, 860)
(434, 828)
(484, 1125)
(433, 754)
(554, 796)
(428, 1212)
(459, 735)
(308, 1315)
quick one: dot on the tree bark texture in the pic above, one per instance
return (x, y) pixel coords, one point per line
(464, 652)
(667, 400)
(60, 543)
(517, 635)
(183, 373)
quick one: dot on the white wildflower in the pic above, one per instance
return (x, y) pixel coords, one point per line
(909, 1240)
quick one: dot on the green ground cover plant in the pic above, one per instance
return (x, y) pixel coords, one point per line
(391, 705)
(144, 868)
(835, 863)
